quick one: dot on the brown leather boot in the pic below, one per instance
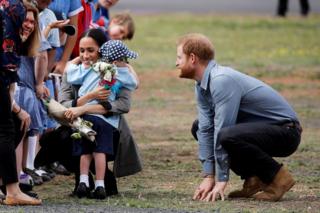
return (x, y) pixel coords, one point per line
(251, 186)
(282, 183)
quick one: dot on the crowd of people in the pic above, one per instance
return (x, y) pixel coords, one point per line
(66, 82)
(48, 51)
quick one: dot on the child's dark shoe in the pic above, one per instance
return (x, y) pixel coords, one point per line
(83, 190)
(99, 193)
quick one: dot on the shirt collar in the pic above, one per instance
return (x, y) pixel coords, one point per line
(205, 79)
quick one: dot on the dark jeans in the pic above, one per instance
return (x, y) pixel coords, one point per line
(8, 167)
(283, 7)
(252, 146)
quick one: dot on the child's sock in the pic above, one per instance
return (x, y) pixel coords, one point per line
(98, 183)
(84, 179)
(32, 143)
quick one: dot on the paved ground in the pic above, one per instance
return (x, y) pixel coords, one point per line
(83, 208)
(263, 7)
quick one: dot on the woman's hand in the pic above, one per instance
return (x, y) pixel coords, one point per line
(100, 93)
(59, 24)
(46, 93)
(42, 91)
(76, 60)
(25, 120)
(39, 91)
(74, 112)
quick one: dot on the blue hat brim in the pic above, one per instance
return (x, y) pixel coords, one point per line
(132, 54)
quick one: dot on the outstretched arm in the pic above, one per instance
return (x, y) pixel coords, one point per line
(55, 24)
(71, 41)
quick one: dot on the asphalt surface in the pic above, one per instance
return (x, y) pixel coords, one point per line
(261, 7)
(82, 208)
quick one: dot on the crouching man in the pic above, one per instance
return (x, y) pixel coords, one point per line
(242, 124)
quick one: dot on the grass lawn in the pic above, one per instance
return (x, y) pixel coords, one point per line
(282, 52)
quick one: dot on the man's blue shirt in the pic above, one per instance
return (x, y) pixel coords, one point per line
(227, 97)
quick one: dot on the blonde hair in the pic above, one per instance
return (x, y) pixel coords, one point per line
(124, 19)
(31, 46)
(197, 44)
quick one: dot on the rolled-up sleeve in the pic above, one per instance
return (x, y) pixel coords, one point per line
(226, 93)
(75, 8)
(205, 132)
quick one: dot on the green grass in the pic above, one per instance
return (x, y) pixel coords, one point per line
(248, 43)
(282, 52)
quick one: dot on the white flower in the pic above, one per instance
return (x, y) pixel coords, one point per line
(108, 76)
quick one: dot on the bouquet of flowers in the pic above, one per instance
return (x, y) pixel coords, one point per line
(82, 127)
(107, 75)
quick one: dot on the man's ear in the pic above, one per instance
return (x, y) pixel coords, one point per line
(193, 58)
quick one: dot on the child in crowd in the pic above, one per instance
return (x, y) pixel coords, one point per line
(50, 28)
(120, 27)
(80, 71)
(32, 74)
(29, 92)
(101, 11)
(70, 9)
(103, 6)
(94, 15)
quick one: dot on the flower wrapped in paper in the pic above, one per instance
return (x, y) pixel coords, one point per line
(82, 127)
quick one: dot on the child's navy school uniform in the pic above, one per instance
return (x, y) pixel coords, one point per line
(104, 126)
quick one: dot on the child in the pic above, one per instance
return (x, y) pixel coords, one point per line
(102, 7)
(80, 71)
(95, 14)
(120, 27)
(70, 9)
(100, 11)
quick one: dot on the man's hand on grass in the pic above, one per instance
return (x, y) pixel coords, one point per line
(204, 188)
(217, 192)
